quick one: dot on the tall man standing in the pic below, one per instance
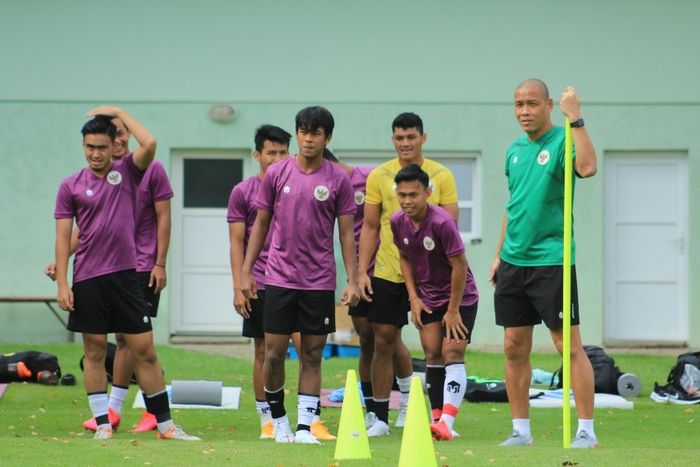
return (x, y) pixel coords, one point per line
(386, 291)
(105, 296)
(527, 270)
(306, 194)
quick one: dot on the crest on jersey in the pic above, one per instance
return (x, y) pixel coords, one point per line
(114, 178)
(515, 159)
(359, 198)
(543, 157)
(286, 190)
(431, 185)
(405, 241)
(89, 193)
(428, 243)
(321, 192)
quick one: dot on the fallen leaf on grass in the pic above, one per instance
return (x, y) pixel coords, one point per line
(569, 463)
(468, 452)
(135, 443)
(689, 410)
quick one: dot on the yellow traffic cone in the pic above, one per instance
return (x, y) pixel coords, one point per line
(352, 440)
(417, 442)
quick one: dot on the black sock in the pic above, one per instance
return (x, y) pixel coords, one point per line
(381, 409)
(102, 420)
(158, 405)
(367, 395)
(435, 380)
(276, 401)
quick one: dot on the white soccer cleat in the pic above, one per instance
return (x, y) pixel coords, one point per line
(401, 416)
(370, 418)
(378, 428)
(104, 432)
(283, 432)
(305, 437)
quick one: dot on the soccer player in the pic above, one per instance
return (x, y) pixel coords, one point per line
(152, 239)
(306, 194)
(386, 291)
(441, 290)
(527, 269)
(106, 296)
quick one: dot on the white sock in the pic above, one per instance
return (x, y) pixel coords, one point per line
(163, 426)
(263, 409)
(453, 391)
(404, 385)
(587, 426)
(99, 402)
(117, 397)
(306, 409)
(522, 426)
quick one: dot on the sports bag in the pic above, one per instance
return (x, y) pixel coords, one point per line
(605, 372)
(30, 365)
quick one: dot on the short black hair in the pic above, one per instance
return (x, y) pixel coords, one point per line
(100, 125)
(314, 117)
(410, 173)
(329, 156)
(407, 120)
(270, 133)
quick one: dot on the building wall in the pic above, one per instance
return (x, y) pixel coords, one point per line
(454, 63)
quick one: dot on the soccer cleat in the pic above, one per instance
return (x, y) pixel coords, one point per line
(370, 418)
(659, 394)
(283, 432)
(176, 433)
(103, 432)
(401, 416)
(441, 431)
(320, 431)
(378, 428)
(305, 437)
(455, 434)
(584, 440)
(148, 422)
(114, 419)
(516, 439)
(680, 397)
(267, 431)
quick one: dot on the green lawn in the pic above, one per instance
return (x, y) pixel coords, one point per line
(41, 425)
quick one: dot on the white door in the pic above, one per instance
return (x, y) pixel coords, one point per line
(200, 283)
(646, 218)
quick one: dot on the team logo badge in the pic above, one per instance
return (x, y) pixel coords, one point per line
(431, 185)
(326, 322)
(453, 387)
(114, 178)
(359, 198)
(515, 160)
(145, 320)
(405, 241)
(543, 157)
(428, 243)
(321, 192)
(89, 193)
(286, 190)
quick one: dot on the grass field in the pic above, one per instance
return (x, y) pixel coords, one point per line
(41, 425)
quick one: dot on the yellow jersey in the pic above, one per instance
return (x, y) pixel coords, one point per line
(381, 189)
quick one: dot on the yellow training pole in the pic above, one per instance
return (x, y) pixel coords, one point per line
(566, 299)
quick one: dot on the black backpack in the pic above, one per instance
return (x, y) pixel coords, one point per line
(485, 390)
(605, 372)
(43, 366)
(674, 376)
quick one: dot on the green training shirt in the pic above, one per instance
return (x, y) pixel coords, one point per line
(535, 230)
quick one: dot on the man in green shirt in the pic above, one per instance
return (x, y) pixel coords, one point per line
(527, 270)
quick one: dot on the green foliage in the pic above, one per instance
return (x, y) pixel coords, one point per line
(41, 425)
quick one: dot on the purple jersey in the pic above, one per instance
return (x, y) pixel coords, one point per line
(104, 212)
(428, 249)
(241, 209)
(305, 206)
(358, 179)
(154, 187)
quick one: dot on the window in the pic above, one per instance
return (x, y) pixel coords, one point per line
(208, 182)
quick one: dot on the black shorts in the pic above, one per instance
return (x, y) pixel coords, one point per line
(110, 303)
(526, 296)
(306, 311)
(152, 298)
(389, 303)
(253, 326)
(360, 310)
(467, 312)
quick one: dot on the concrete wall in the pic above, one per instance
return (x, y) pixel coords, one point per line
(453, 62)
